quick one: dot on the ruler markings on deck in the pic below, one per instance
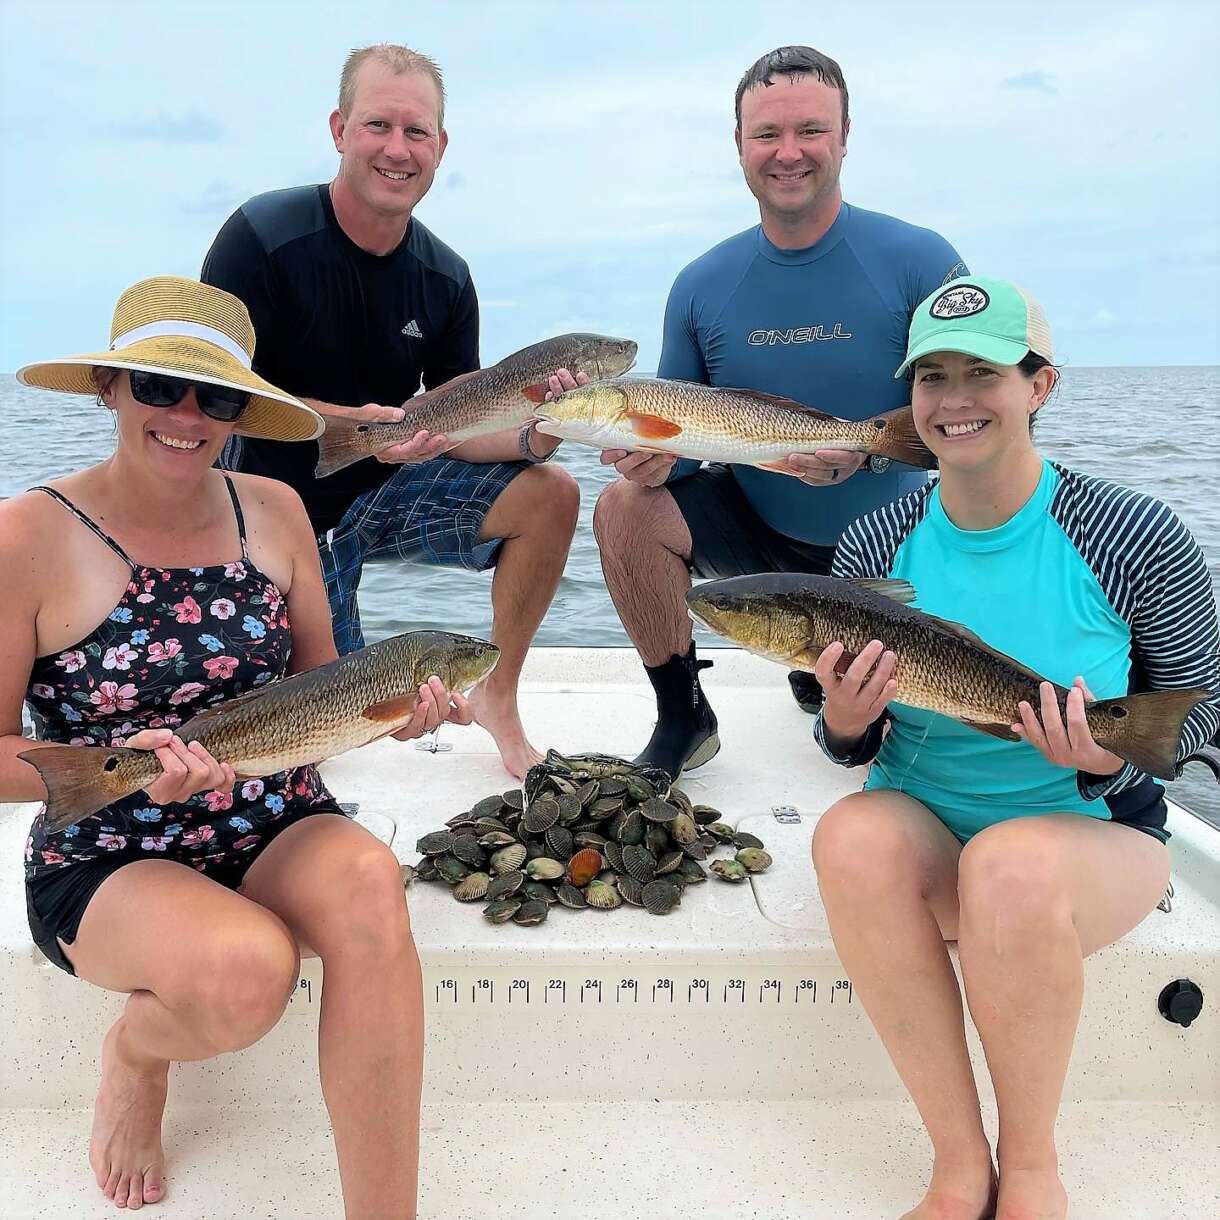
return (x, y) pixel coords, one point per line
(750, 989)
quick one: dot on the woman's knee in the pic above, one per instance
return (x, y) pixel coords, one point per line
(1009, 873)
(858, 844)
(241, 988)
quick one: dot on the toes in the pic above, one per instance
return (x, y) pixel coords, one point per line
(154, 1186)
(135, 1197)
(111, 1185)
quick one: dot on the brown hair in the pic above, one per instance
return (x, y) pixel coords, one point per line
(103, 379)
(792, 62)
(399, 60)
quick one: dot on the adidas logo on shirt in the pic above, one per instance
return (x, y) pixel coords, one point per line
(412, 331)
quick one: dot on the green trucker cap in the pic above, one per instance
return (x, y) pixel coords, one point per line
(979, 316)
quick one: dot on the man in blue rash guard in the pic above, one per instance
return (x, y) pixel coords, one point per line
(812, 304)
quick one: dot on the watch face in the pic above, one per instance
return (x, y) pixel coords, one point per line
(877, 464)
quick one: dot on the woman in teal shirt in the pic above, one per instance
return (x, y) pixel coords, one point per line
(1030, 854)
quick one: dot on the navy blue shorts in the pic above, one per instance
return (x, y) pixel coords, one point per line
(728, 538)
(430, 512)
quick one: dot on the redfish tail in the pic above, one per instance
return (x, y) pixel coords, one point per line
(1148, 727)
(899, 440)
(78, 780)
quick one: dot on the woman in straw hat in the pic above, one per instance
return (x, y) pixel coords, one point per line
(138, 592)
(1031, 851)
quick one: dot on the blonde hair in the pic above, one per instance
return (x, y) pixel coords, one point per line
(399, 60)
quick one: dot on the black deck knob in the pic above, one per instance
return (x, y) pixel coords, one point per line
(1181, 1002)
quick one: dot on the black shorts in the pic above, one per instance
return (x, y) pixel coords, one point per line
(728, 538)
(1142, 808)
(55, 902)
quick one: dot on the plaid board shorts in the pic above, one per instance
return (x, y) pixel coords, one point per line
(426, 512)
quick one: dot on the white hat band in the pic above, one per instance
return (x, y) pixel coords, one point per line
(185, 330)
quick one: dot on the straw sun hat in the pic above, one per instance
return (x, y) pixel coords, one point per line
(183, 328)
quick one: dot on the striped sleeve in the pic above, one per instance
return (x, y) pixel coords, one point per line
(1154, 575)
(867, 549)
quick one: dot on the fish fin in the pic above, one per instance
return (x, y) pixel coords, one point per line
(1002, 731)
(77, 780)
(536, 393)
(778, 400)
(652, 427)
(190, 730)
(900, 591)
(897, 438)
(344, 443)
(1149, 731)
(964, 633)
(388, 711)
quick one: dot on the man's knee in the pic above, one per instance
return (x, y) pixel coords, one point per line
(625, 509)
(553, 489)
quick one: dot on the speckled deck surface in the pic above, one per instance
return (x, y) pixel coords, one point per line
(709, 1064)
(810, 1161)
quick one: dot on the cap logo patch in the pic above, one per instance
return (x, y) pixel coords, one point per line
(960, 302)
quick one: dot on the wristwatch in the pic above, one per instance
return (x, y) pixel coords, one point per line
(877, 464)
(523, 443)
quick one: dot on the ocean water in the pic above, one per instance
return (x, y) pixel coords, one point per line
(1155, 429)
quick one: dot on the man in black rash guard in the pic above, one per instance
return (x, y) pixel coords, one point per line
(355, 305)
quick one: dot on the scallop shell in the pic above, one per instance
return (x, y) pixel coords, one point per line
(488, 807)
(729, 870)
(472, 888)
(514, 798)
(602, 896)
(657, 810)
(631, 890)
(584, 866)
(435, 844)
(570, 896)
(640, 863)
(452, 869)
(507, 859)
(496, 839)
(614, 855)
(755, 859)
(660, 897)
(569, 809)
(531, 913)
(542, 814)
(631, 829)
(466, 848)
(559, 842)
(543, 868)
(683, 829)
(537, 891)
(705, 814)
(408, 874)
(506, 885)
(502, 910)
(670, 862)
(744, 839)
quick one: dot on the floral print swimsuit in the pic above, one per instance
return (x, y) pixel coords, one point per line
(180, 640)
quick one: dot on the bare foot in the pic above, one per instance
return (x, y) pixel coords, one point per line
(1032, 1194)
(958, 1191)
(500, 717)
(125, 1147)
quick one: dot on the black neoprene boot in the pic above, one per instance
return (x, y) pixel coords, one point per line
(685, 736)
(806, 690)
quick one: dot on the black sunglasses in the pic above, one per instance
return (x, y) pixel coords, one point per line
(220, 402)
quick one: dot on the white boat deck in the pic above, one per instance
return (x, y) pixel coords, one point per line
(708, 1063)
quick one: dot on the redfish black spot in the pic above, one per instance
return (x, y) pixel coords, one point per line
(1118, 713)
(110, 764)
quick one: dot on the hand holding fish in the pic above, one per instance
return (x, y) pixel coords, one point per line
(435, 706)
(187, 768)
(821, 468)
(1067, 744)
(421, 447)
(638, 466)
(856, 694)
(560, 381)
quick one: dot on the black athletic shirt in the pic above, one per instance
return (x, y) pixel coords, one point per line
(336, 323)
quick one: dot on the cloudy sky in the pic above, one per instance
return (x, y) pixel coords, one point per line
(1071, 146)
